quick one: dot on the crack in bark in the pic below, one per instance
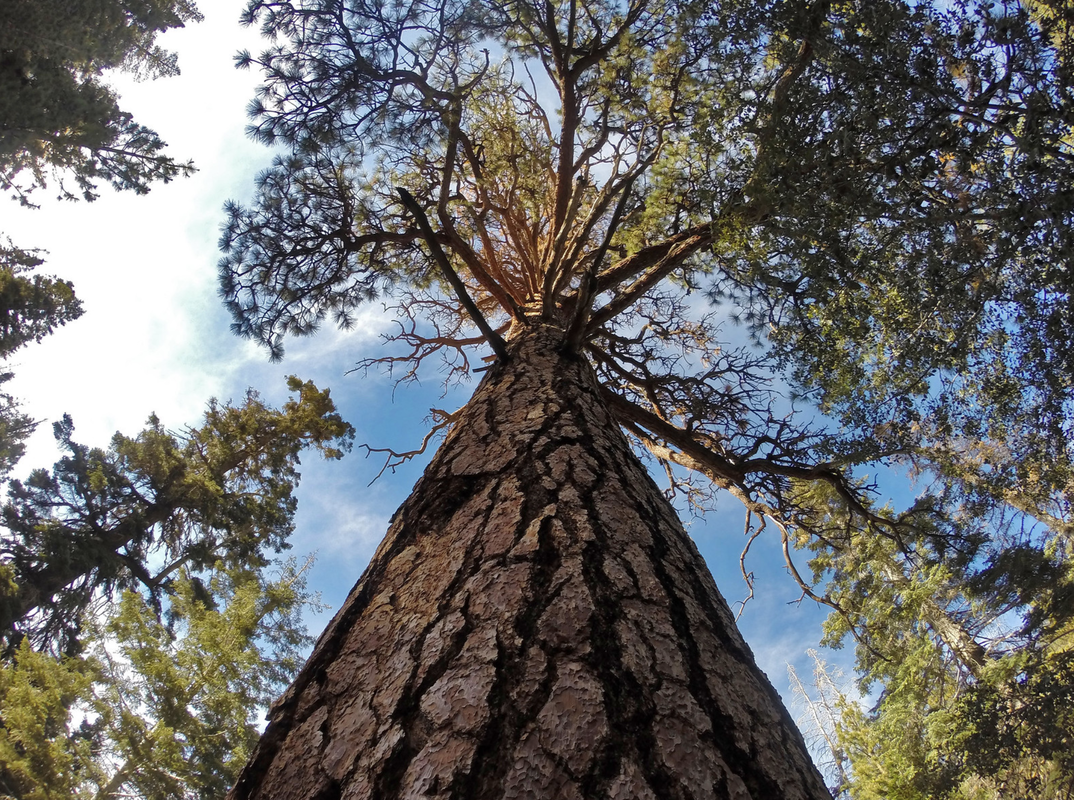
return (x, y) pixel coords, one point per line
(407, 711)
(740, 763)
(509, 720)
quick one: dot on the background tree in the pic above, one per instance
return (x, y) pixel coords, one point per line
(31, 307)
(882, 189)
(157, 707)
(136, 514)
(60, 119)
(146, 615)
(941, 347)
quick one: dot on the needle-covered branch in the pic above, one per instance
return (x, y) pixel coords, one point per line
(222, 492)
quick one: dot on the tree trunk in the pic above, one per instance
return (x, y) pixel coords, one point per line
(535, 624)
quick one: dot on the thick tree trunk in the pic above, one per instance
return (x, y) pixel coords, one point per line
(535, 624)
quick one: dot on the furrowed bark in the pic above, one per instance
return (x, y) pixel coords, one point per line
(535, 624)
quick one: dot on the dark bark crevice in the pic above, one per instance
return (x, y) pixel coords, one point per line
(723, 725)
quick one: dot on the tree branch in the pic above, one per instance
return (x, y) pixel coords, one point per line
(495, 341)
(636, 263)
(588, 289)
(674, 253)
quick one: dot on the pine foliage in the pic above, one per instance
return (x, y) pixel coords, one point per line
(59, 119)
(147, 614)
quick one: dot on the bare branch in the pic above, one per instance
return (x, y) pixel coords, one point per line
(441, 420)
(637, 263)
(748, 576)
(587, 291)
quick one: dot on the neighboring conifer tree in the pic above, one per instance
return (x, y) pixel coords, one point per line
(59, 119)
(61, 122)
(31, 307)
(131, 516)
(145, 613)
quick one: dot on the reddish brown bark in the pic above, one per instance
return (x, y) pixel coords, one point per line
(535, 624)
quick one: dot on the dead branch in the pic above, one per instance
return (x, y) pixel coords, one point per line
(588, 289)
(441, 420)
(448, 341)
(748, 576)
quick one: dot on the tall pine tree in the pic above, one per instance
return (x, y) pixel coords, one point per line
(882, 190)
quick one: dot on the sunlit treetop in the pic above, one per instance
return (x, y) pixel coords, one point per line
(518, 129)
(881, 189)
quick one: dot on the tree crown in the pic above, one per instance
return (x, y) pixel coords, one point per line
(60, 120)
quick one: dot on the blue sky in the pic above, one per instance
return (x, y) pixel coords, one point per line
(155, 338)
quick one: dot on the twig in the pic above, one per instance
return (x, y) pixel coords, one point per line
(748, 576)
(807, 591)
(395, 459)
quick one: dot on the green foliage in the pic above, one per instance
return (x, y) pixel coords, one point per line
(38, 759)
(59, 117)
(159, 706)
(134, 515)
(31, 307)
(1056, 20)
(178, 708)
(912, 273)
(1017, 727)
(1005, 736)
(147, 620)
(968, 633)
(59, 120)
(913, 270)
